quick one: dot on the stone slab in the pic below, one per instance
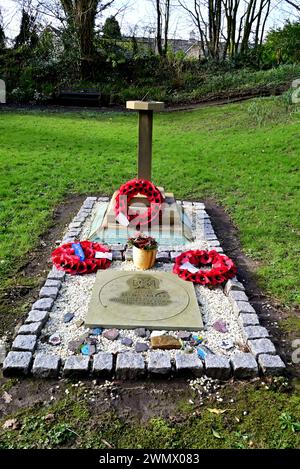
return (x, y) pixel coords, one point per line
(102, 364)
(156, 300)
(159, 363)
(244, 365)
(17, 363)
(46, 366)
(217, 367)
(76, 366)
(33, 328)
(145, 105)
(259, 346)
(24, 343)
(130, 365)
(36, 315)
(271, 364)
(188, 363)
(44, 304)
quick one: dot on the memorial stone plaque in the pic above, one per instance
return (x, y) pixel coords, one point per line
(156, 300)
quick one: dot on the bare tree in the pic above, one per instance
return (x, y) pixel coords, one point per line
(163, 12)
(294, 4)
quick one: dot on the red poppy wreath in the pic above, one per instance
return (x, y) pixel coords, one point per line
(204, 267)
(81, 258)
(126, 193)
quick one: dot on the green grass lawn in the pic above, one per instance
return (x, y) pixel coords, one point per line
(221, 152)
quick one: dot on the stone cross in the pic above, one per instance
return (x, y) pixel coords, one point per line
(145, 110)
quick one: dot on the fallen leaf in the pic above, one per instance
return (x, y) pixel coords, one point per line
(12, 424)
(7, 397)
(216, 434)
(217, 411)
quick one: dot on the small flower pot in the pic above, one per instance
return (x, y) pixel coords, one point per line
(143, 259)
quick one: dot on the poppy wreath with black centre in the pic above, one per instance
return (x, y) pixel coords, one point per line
(64, 258)
(131, 189)
(216, 267)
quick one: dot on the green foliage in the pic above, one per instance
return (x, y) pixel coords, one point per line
(111, 29)
(28, 31)
(287, 422)
(282, 45)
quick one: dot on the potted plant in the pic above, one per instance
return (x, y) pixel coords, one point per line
(144, 250)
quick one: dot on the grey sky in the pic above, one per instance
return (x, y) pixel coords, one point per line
(140, 14)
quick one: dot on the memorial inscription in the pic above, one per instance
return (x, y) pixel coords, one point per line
(156, 300)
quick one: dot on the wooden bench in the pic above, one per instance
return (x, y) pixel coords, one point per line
(79, 98)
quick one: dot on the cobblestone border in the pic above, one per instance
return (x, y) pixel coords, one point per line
(261, 358)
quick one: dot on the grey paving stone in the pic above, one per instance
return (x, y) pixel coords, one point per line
(261, 346)
(74, 225)
(103, 364)
(46, 366)
(219, 249)
(199, 205)
(163, 256)
(271, 364)
(37, 316)
(49, 292)
(17, 363)
(68, 240)
(217, 367)
(56, 274)
(34, 328)
(244, 365)
(76, 366)
(44, 304)
(210, 237)
(233, 284)
(188, 363)
(24, 343)
(246, 319)
(117, 255)
(159, 363)
(237, 295)
(53, 283)
(130, 365)
(80, 219)
(255, 332)
(242, 307)
(103, 199)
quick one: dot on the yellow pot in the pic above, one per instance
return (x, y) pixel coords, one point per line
(143, 259)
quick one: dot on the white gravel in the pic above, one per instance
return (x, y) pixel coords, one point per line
(75, 295)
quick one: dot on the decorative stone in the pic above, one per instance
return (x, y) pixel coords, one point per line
(244, 365)
(217, 367)
(233, 284)
(237, 295)
(165, 342)
(17, 363)
(102, 364)
(255, 332)
(141, 332)
(96, 331)
(53, 283)
(157, 333)
(46, 366)
(261, 346)
(74, 345)
(188, 363)
(220, 326)
(130, 365)
(88, 349)
(183, 335)
(54, 339)
(141, 347)
(271, 364)
(68, 317)
(24, 343)
(49, 292)
(56, 274)
(37, 316)
(242, 307)
(111, 334)
(247, 319)
(33, 328)
(163, 256)
(76, 366)
(127, 341)
(45, 304)
(159, 363)
(75, 224)
(79, 323)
